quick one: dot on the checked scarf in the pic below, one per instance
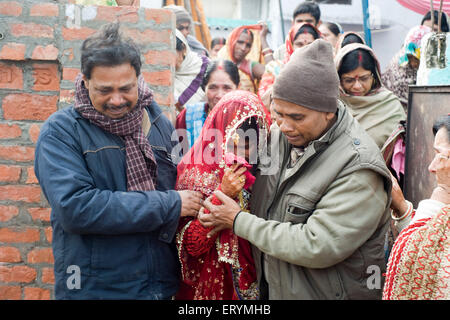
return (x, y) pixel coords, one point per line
(141, 163)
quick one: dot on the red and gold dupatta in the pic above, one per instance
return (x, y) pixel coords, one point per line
(220, 267)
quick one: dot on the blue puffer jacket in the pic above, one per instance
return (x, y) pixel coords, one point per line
(120, 242)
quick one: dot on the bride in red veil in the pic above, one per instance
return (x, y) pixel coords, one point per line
(221, 267)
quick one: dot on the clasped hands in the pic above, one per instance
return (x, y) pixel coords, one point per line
(221, 216)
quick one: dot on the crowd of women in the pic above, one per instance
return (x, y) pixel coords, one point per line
(230, 88)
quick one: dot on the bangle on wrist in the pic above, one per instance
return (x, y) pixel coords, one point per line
(407, 212)
(267, 50)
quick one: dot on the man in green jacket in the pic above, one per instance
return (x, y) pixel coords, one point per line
(320, 208)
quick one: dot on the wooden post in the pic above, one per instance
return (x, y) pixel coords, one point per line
(205, 30)
(198, 31)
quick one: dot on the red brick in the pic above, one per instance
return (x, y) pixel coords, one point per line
(49, 52)
(70, 73)
(48, 275)
(8, 212)
(10, 8)
(42, 214)
(9, 235)
(17, 274)
(49, 234)
(32, 293)
(159, 16)
(122, 14)
(31, 30)
(11, 77)
(26, 106)
(10, 293)
(158, 78)
(10, 255)
(9, 131)
(9, 173)
(44, 10)
(16, 153)
(31, 176)
(13, 51)
(33, 132)
(77, 33)
(165, 100)
(20, 193)
(40, 255)
(149, 35)
(165, 58)
(46, 77)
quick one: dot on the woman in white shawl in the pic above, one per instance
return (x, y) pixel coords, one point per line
(189, 71)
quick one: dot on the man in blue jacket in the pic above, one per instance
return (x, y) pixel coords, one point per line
(105, 167)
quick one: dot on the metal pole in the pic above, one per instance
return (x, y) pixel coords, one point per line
(282, 20)
(367, 33)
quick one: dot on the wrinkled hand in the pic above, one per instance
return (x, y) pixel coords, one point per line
(398, 204)
(220, 217)
(233, 180)
(191, 202)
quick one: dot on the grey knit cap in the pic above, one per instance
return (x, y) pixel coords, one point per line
(310, 78)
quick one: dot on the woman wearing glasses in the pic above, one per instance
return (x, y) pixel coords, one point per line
(377, 109)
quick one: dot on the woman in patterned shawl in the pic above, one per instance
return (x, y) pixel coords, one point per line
(419, 264)
(221, 267)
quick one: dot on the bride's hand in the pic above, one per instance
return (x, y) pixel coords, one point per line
(233, 180)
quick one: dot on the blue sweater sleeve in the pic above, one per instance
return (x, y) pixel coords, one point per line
(82, 208)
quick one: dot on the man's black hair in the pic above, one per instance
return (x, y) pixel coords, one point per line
(308, 7)
(108, 47)
(444, 22)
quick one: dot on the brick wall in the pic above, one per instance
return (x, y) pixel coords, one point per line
(39, 60)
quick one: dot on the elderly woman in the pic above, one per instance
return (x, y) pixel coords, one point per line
(247, 47)
(419, 263)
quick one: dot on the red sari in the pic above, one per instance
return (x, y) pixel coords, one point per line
(220, 267)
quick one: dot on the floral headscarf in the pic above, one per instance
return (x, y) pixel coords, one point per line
(411, 45)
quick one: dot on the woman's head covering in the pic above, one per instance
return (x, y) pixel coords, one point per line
(202, 168)
(255, 55)
(355, 46)
(344, 35)
(255, 51)
(291, 38)
(411, 45)
(189, 77)
(181, 14)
